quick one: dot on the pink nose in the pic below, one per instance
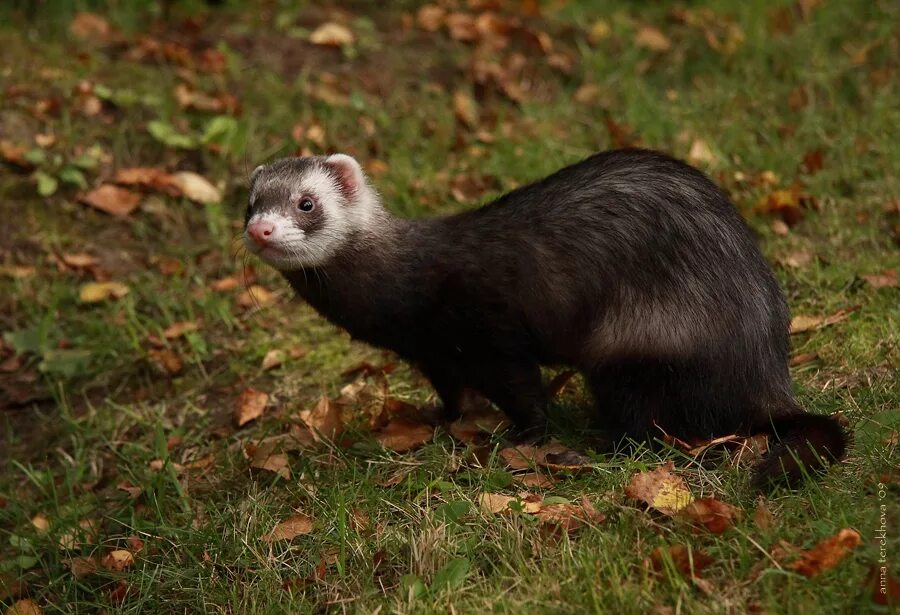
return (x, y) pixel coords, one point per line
(261, 231)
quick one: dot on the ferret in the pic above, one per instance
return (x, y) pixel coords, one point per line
(630, 266)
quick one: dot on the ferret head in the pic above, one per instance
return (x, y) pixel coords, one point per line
(303, 211)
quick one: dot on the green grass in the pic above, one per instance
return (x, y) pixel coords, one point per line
(105, 411)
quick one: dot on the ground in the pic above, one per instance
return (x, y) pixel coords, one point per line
(128, 483)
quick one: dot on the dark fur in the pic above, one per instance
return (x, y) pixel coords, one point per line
(631, 266)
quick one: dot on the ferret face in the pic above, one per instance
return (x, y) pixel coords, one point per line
(302, 211)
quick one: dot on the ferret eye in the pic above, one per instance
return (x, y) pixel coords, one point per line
(306, 204)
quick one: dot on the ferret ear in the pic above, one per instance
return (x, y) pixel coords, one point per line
(349, 173)
(256, 173)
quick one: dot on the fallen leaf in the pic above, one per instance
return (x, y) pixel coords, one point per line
(431, 17)
(559, 382)
(112, 199)
(827, 554)
(273, 359)
(118, 560)
(474, 427)
(797, 259)
(81, 567)
(148, 178)
(686, 561)
(652, 38)
(324, 420)
(711, 514)
(402, 434)
(79, 260)
(780, 228)
(803, 359)
(813, 161)
(40, 523)
(16, 271)
(293, 526)
(701, 154)
(553, 456)
(883, 585)
(24, 607)
(255, 296)
(179, 329)
(535, 480)
(130, 488)
(762, 516)
(88, 531)
(495, 503)
(660, 489)
(95, 292)
(224, 284)
(465, 108)
(332, 34)
(571, 517)
(885, 279)
(196, 187)
(15, 155)
(168, 361)
(787, 203)
(250, 406)
(271, 462)
(92, 27)
(802, 323)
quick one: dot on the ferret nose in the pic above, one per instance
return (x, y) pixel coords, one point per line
(261, 231)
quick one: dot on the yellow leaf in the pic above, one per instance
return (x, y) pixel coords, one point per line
(332, 34)
(95, 292)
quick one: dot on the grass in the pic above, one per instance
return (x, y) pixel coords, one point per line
(796, 81)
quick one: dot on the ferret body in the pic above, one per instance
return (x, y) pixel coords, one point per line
(630, 266)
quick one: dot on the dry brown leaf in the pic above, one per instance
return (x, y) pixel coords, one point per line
(148, 178)
(431, 17)
(179, 329)
(271, 462)
(796, 260)
(250, 406)
(130, 488)
(118, 560)
(885, 279)
(701, 154)
(571, 517)
(802, 323)
(324, 420)
(92, 27)
(256, 296)
(535, 480)
(40, 523)
(780, 228)
(553, 456)
(474, 427)
(495, 503)
(87, 532)
(81, 567)
(465, 108)
(686, 561)
(660, 489)
(332, 34)
(803, 359)
(788, 204)
(196, 187)
(273, 359)
(167, 360)
(16, 271)
(95, 292)
(827, 554)
(79, 260)
(711, 514)
(24, 607)
(652, 38)
(14, 154)
(224, 284)
(293, 526)
(762, 516)
(112, 199)
(402, 434)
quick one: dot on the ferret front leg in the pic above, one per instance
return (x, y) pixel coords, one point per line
(449, 388)
(517, 389)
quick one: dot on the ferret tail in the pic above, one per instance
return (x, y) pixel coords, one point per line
(801, 444)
